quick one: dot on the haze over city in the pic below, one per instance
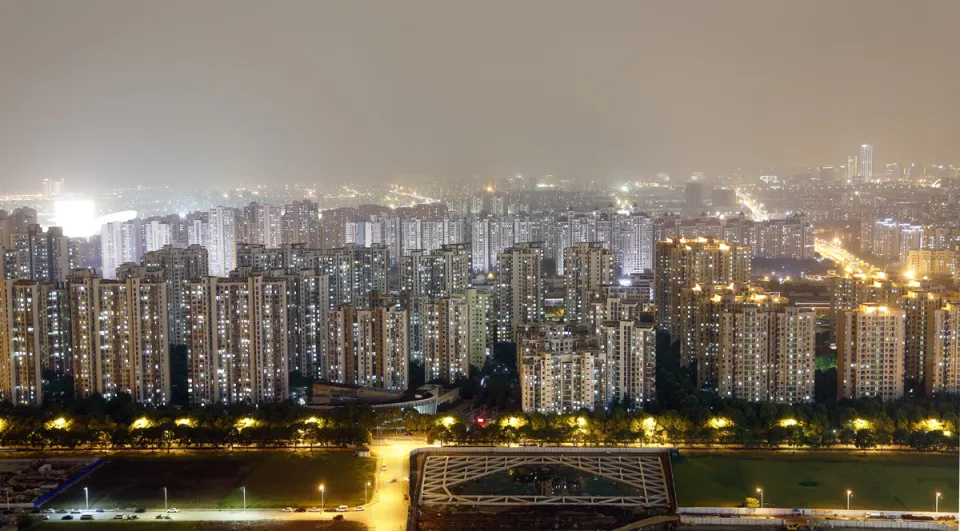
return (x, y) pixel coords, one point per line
(459, 266)
(224, 92)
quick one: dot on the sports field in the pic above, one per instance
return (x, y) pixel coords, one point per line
(817, 480)
(271, 479)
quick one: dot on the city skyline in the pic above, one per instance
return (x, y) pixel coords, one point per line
(104, 92)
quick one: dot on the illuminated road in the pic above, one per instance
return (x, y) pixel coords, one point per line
(832, 250)
(755, 207)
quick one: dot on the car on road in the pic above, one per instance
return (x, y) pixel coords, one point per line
(49, 511)
(358, 508)
(66, 517)
(86, 517)
(61, 511)
(313, 510)
(163, 517)
(118, 516)
(173, 510)
(301, 510)
(133, 517)
(338, 517)
(99, 510)
(286, 510)
(74, 511)
(342, 509)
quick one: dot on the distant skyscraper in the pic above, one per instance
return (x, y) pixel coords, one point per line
(853, 167)
(177, 266)
(693, 198)
(866, 161)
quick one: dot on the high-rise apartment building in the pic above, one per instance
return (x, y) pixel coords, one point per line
(446, 353)
(237, 340)
(121, 242)
(943, 350)
(629, 348)
(588, 267)
(156, 234)
(682, 264)
(119, 334)
(870, 352)
(178, 265)
(519, 290)
(636, 243)
(300, 223)
(767, 352)
(262, 224)
(553, 383)
(35, 254)
(369, 347)
(439, 273)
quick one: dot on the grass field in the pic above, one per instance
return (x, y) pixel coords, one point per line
(259, 525)
(272, 479)
(883, 482)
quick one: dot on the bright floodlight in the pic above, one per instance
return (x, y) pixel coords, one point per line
(77, 217)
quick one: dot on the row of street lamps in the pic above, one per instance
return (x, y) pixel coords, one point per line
(936, 503)
(323, 491)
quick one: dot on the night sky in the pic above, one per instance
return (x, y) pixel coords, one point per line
(213, 92)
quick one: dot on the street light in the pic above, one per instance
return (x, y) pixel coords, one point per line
(244, 490)
(761, 496)
(367, 485)
(164, 498)
(936, 504)
(849, 495)
(86, 496)
(322, 497)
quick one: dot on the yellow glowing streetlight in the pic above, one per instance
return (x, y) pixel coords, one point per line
(322, 497)
(849, 495)
(786, 423)
(936, 503)
(448, 421)
(760, 491)
(184, 422)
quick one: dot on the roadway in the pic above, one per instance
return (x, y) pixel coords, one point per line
(832, 250)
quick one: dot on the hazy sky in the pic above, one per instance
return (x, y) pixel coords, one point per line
(213, 92)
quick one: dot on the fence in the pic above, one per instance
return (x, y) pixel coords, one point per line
(70, 481)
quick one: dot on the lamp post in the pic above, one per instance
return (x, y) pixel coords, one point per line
(760, 491)
(86, 496)
(244, 490)
(936, 504)
(165, 499)
(849, 495)
(322, 497)
(367, 485)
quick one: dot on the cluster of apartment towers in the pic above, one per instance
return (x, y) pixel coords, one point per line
(332, 311)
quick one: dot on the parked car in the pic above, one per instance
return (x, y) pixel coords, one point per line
(45, 517)
(99, 510)
(173, 510)
(313, 510)
(358, 508)
(338, 517)
(118, 516)
(66, 517)
(342, 509)
(133, 517)
(301, 510)
(86, 517)
(61, 511)
(287, 510)
(74, 511)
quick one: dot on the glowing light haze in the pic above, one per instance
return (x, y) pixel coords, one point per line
(222, 91)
